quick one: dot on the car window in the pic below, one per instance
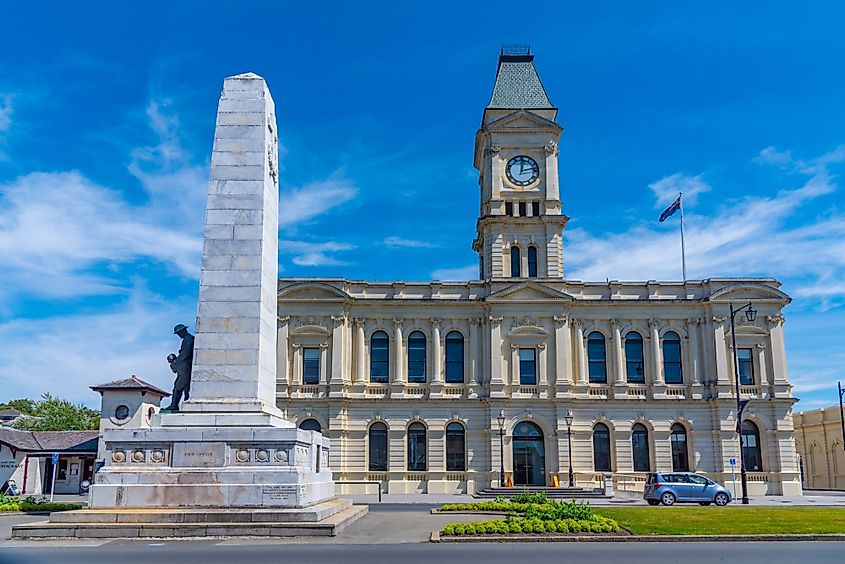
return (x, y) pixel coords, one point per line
(700, 480)
(675, 478)
(651, 479)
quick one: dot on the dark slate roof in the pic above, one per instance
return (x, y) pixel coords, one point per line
(50, 441)
(131, 383)
(9, 411)
(518, 85)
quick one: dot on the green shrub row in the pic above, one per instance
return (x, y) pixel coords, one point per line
(525, 497)
(31, 503)
(535, 526)
(550, 510)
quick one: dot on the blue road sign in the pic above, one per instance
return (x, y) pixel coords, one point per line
(55, 458)
(732, 461)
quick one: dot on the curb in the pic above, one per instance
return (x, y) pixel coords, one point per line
(435, 537)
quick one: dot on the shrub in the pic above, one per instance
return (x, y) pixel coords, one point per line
(514, 527)
(460, 529)
(526, 497)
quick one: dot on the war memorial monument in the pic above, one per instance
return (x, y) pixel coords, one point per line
(227, 462)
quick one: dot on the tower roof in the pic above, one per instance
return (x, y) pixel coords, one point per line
(518, 85)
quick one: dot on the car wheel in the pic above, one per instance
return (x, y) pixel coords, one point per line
(721, 499)
(653, 501)
(704, 503)
(667, 499)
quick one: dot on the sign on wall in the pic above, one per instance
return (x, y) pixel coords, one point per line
(9, 463)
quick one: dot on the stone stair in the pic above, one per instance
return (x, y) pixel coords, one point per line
(553, 493)
(327, 518)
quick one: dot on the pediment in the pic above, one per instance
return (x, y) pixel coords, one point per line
(522, 119)
(313, 291)
(748, 292)
(528, 292)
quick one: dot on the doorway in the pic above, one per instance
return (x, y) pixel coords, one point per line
(529, 455)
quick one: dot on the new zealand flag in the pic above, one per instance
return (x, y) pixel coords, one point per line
(670, 211)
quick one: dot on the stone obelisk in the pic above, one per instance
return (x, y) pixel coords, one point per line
(235, 352)
(230, 445)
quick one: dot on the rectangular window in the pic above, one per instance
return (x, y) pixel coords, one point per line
(62, 470)
(746, 367)
(535, 209)
(508, 208)
(527, 367)
(311, 366)
(522, 209)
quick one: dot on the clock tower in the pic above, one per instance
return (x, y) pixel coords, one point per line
(520, 225)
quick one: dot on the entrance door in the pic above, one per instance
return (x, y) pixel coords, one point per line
(529, 455)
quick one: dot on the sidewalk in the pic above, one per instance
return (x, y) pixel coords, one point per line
(817, 498)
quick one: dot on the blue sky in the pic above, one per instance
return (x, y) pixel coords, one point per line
(107, 117)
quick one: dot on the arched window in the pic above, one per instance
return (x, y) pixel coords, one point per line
(634, 365)
(515, 262)
(416, 358)
(672, 358)
(416, 447)
(378, 447)
(379, 357)
(601, 448)
(311, 425)
(454, 358)
(455, 448)
(639, 447)
(680, 452)
(596, 355)
(751, 455)
(532, 262)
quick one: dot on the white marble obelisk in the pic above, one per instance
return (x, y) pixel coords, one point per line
(235, 351)
(230, 445)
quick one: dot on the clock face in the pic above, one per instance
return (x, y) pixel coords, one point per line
(522, 170)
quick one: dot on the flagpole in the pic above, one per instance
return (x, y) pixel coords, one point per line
(683, 250)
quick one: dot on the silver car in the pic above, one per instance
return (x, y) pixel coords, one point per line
(669, 488)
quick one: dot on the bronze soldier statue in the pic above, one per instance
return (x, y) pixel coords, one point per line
(180, 364)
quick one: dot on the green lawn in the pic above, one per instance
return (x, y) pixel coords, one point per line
(727, 520)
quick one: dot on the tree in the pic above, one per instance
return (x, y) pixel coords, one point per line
(54, 414)
(25, 406)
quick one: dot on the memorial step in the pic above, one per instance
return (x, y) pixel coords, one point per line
(324, 519)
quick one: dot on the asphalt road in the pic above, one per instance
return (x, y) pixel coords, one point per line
(594, 553)
(398, 534)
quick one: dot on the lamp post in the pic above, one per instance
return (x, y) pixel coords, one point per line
(750, 315)
(501, 421)
(568, 418)
(841, 412)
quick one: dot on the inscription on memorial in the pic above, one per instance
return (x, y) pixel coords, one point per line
(284, 493)
(199, 455)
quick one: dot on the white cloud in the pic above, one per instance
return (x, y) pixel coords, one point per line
(753, 236)
(5, 112)
(314, 254)
(395, 242)
(64, 355)
(469, 272)
(298, 205)
(55, 226)
(666, 189)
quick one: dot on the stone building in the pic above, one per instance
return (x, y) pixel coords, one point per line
(818, 440)
(409, 379)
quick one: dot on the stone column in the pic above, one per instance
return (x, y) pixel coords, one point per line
(335, 379)
(580, 353)
(656, 368)
(496, 381)
(282, 352)
(398, 353)
(694, 377)
(563, 351)
(436, 352)
(617, 375)
(360, 352)
(235, 350)
(474, 357)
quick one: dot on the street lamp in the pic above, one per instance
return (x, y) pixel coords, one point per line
(568, 418)
(750, 315)
(501, 420)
